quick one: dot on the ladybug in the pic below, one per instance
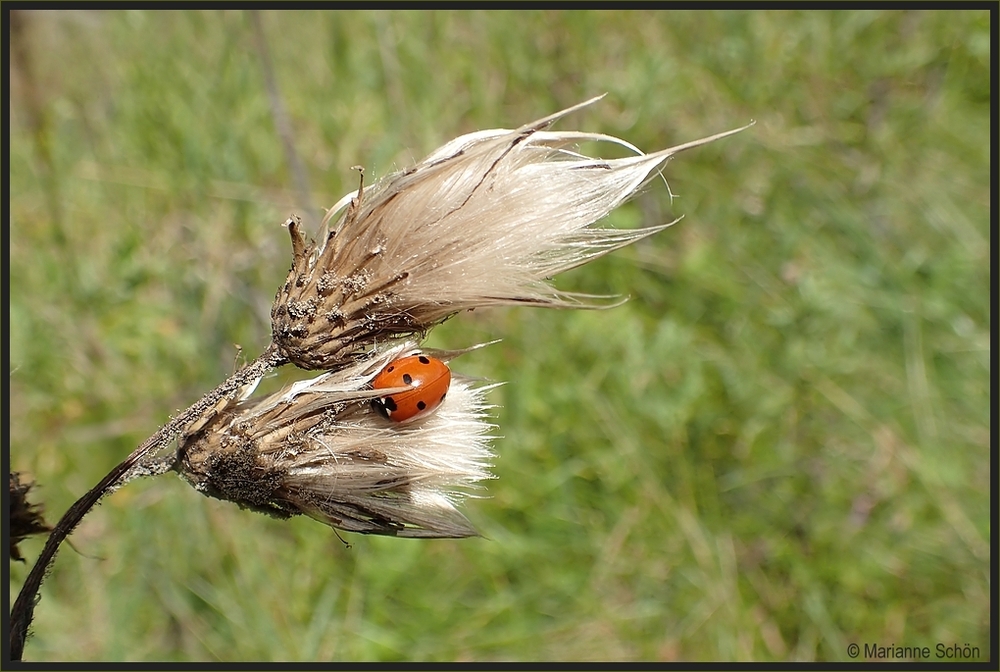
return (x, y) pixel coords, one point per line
(429, 378)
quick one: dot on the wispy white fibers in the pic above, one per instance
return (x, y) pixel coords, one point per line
(491, 215)
(484, 220)
(318, 448)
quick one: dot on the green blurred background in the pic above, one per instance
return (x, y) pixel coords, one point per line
(779, 446)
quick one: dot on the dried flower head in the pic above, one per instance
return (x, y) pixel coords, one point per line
(484, 220)
(25, 518)
(319, 448)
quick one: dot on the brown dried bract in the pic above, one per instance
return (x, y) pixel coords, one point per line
(25, 518)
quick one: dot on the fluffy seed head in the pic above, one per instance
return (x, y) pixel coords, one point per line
(484, 220)
(318, 448)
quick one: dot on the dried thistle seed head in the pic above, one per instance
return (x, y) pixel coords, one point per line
(319, 448)
(25, 518)
(484, 220)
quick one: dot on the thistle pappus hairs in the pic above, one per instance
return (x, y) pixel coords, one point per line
(484, 220)
(319, 448)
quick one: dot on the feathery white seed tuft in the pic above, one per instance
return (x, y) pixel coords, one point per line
(484, 220)
(318, 448)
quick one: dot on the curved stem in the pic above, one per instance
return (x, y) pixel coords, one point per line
(23, 610)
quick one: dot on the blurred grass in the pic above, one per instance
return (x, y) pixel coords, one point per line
(778, 446)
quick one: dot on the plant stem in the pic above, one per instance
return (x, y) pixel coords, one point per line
(23, 610)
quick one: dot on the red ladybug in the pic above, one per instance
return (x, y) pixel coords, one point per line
(429, 378)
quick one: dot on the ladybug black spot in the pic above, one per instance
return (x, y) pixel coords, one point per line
(421, 405)
(408, 379)
(424, 360)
